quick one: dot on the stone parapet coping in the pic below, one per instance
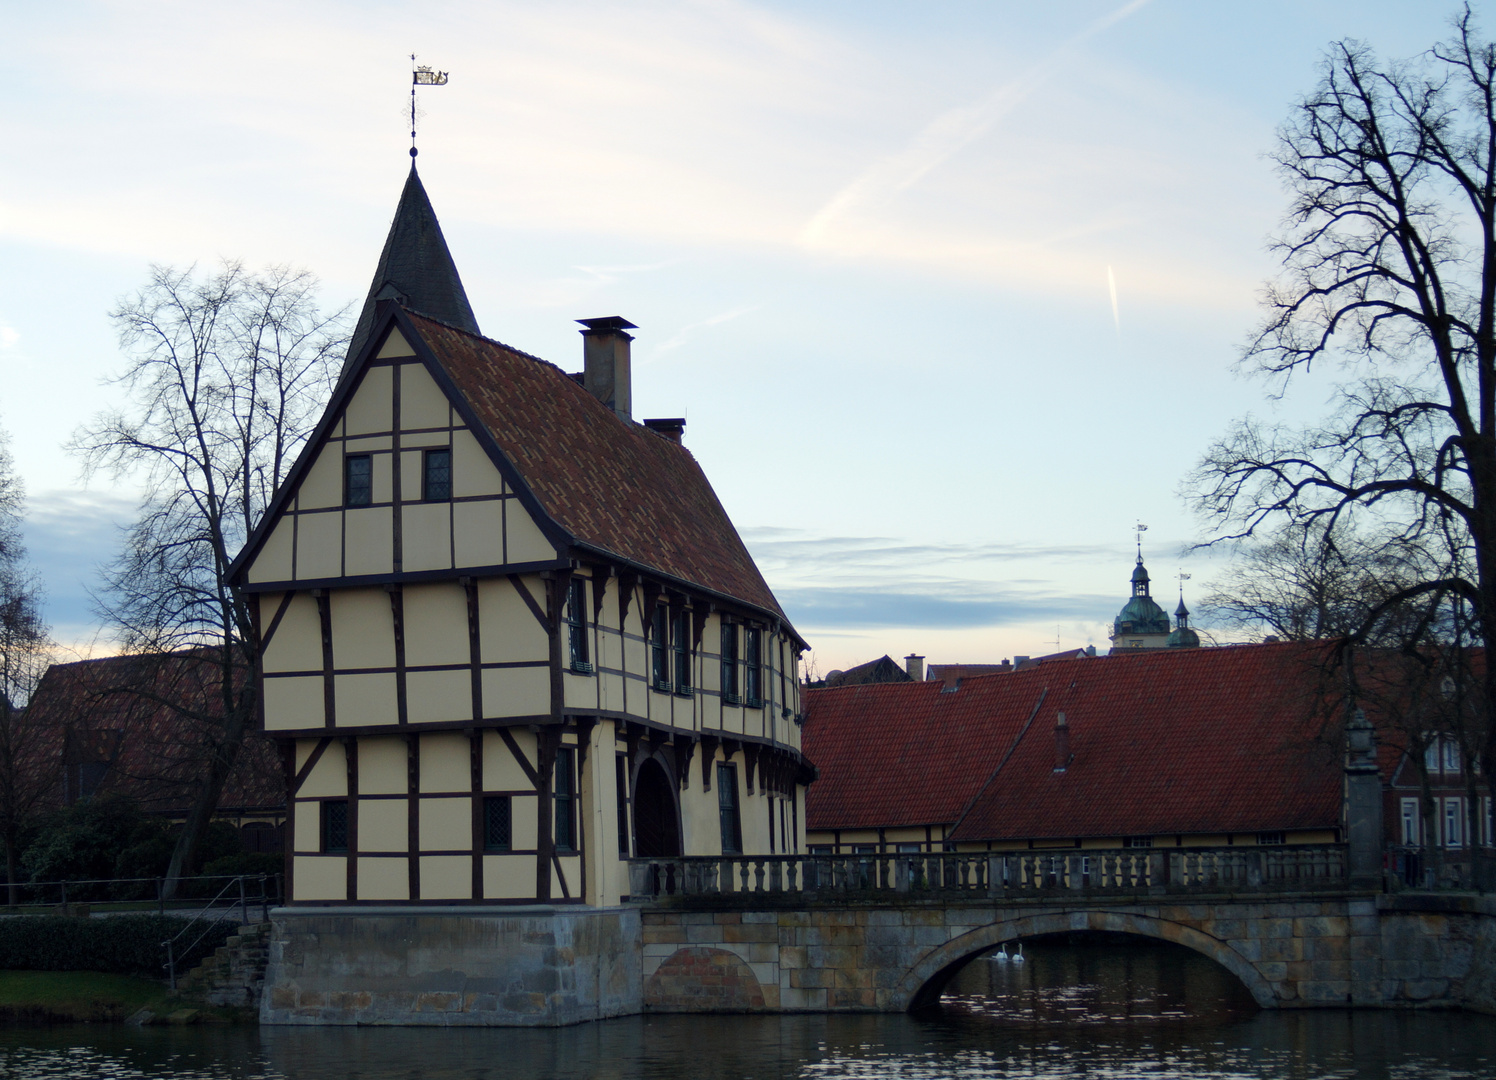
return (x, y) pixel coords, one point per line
(1463, 903)
(482, 911)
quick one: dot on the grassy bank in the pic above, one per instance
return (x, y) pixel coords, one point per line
(55, 997)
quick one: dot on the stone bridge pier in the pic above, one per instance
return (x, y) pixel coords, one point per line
(1306, 951)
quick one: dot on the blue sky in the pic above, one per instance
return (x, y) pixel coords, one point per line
(871, 248)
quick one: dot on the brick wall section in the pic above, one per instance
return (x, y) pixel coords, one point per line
(696, 980)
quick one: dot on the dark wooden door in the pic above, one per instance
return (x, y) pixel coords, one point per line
(656, 832)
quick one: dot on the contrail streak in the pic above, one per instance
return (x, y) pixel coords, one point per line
(947, 133)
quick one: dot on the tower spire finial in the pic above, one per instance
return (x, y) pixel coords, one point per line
(420, 76)
(1140, 529)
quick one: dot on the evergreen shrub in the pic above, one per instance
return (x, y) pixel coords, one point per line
(115, 944)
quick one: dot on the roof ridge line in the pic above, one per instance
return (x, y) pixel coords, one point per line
(481, 337)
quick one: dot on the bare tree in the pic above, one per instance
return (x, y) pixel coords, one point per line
(225, 377)
(27, 770)
(1299, 585)
(1389, 263)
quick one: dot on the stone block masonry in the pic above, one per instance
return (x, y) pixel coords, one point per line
(1290, 952)
(539, 966)
(557, 965)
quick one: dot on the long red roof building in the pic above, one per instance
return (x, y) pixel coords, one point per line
(1210, 746)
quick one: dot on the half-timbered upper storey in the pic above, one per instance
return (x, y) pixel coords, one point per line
(475, 543)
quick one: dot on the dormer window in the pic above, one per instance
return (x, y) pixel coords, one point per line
(358, 480)
(436, 476)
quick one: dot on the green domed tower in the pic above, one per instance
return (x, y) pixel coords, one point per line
(1183, 637)
(1141, 624)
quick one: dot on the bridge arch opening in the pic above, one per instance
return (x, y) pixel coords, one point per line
(928, 980)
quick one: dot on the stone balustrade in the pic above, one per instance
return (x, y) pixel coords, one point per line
(1016, 874)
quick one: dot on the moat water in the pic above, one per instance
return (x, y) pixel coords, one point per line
(1075, 1008)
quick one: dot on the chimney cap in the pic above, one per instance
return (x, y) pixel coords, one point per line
(606, 324)
(672, 427)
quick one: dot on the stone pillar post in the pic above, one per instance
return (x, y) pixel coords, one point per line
(1363, 804)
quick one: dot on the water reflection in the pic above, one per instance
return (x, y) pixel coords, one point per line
(1086, 1008)
(1100, 978)
(1270, 1045)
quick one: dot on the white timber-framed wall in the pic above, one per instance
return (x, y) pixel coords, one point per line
(419, 669)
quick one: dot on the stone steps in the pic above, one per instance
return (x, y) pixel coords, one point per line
(235, 974)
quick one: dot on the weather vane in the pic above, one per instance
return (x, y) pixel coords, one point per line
(1183, 577)
(1140, 529)
(420, 76)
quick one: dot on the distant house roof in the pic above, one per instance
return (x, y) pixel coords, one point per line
(882, 670)
(114, 711)
(1197, 741)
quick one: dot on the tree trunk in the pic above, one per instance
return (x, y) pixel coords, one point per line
(200, 816)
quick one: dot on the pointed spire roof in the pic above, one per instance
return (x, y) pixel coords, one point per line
(416, 269)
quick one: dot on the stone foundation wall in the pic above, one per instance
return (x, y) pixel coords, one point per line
(470, 966)
(546, 966)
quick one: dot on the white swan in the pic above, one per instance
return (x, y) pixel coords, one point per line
(1001, 956)
(1017, 957)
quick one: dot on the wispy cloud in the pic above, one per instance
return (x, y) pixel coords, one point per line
(69, 534)
(567, 291)
(681, 336)
(9, 336)
(944, 136)
(965, 607)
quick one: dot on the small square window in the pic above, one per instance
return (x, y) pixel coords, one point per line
(497, 823)
(1137, 841)
(1271, 838)
(335, 826)
(358, 480)
(436, 480)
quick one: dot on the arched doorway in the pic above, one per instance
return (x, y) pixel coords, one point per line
(656, 825)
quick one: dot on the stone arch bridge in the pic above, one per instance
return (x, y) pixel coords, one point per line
(886, 933)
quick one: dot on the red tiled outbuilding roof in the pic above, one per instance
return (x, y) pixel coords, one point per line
(119, 711)
(1193, 741)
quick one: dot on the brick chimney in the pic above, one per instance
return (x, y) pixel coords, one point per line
(1061, 744)
(950, 674)
(915, 667)
(672, 427)
(606, 375)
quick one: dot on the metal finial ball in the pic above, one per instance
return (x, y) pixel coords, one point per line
(412, 151)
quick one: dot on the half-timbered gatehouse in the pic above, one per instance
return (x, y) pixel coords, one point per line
(510, 637)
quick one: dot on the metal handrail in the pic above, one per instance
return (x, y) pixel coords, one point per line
(243, 904)
(64, 884)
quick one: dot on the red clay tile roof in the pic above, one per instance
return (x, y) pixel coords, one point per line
(1195, 741)
(614, 486)
(155, 753)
